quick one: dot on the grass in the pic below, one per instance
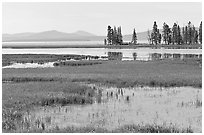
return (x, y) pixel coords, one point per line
(8, 59)
(165, 73)
(58, 86)
(124, 129)
(29, 79)
(77, 63)
(21, 97)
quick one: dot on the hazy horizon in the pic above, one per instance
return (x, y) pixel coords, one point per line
(95, 17)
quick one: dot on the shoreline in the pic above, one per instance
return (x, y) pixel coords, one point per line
(196, 46)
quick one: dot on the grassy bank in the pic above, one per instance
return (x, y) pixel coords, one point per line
(8, 59)
(165, 73)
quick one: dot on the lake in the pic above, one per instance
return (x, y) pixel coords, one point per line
(58, 43)
(112, 109)
(123, 54)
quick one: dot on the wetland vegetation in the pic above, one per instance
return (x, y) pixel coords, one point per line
(38, 100)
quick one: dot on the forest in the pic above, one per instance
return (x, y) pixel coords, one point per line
(175, 35)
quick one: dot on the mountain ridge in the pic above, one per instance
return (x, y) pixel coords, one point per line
(54, 35)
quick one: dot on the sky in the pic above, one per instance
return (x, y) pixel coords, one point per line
(95, 17)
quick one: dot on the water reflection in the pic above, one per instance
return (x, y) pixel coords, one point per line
(151, 56)
(115, 55)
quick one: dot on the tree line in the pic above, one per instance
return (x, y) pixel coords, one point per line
(114, 36)
(175, 35)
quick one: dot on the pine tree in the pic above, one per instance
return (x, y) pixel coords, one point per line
(166, 33)
(183, 35)
(193, 35)
(159, 37)
(186, 35)
(189, 33)
(196, 37)
(174, 33)
(115, 36)
(200, 33)
(134, 37)
(109, 35)
(120, 37)
(179, 37)
(170, 39)
(154, 35)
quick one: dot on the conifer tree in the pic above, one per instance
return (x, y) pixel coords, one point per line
(200, 33)
(115, 36)
(195, 37)
(174, 33)
(179, 37)
(110, 35)
(120, 37)
(134, 37)
(154, 35)
(186, 35)
(166, 33)
(189, 33)
(159, 37)
(183, 35)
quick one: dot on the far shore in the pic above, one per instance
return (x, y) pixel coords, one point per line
(194, 46)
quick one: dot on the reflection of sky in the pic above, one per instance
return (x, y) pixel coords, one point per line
(142, 53)
(99, 51)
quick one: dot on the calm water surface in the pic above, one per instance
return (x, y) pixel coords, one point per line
(123, 54)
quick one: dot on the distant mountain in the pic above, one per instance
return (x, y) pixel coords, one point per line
(52, 35)
(140, 36)
(84, 33)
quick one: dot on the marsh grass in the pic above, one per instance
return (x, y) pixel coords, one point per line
(147, 81)
(58, 86)
(164, 73)
(65, 100)
(123, 129)
(30, 79)
(19, 98)
(8, 59)
(77, 63)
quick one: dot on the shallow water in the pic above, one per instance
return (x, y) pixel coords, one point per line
(139, 54)
(30, 65)
(161, 106)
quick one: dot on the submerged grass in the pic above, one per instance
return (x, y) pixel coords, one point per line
(124, 129)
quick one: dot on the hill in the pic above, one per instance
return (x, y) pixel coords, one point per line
(54, 35)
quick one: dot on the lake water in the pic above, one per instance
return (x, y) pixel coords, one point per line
(123, 54)
(139, 106)
(144, 54)
(59, 43)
